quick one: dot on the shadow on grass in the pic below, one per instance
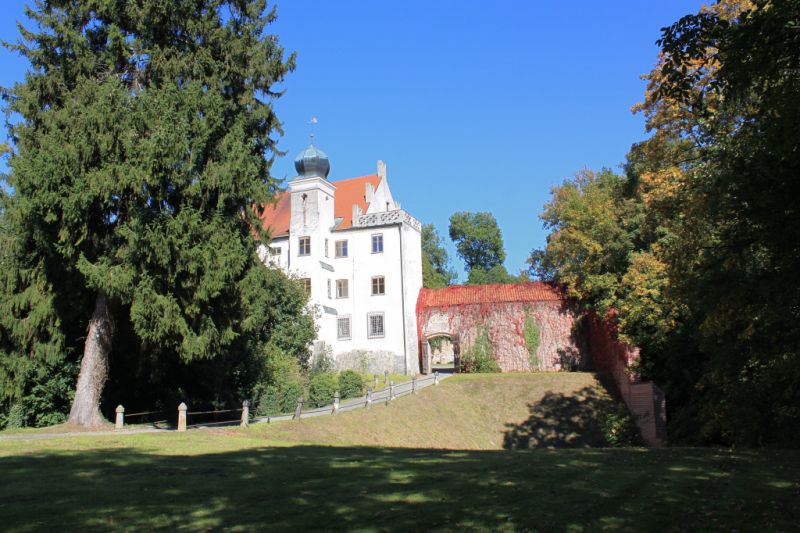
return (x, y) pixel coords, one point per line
(305, 487)
(562, 421)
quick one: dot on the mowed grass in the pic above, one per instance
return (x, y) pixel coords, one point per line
(471, 411)
(207, 481)
(256, 479)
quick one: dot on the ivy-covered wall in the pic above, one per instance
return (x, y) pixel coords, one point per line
(561, 342)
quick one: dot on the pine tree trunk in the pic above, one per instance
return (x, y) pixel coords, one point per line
(94, 367)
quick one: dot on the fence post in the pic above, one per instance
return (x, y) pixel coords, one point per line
(298, 409)
(413, 384)
(245, 414)
(385, 376)
(436, 378)
(368, 403)
(391, 392)
(182, 417)
(335, 403)
(120, 421)
(375, 384)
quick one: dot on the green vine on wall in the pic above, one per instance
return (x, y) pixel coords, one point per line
(480, 356)
(531, 333)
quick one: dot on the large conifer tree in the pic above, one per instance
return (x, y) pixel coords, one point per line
(144, 139)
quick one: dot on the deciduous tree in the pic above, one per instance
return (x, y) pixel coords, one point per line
(436, 271)
(479, 243)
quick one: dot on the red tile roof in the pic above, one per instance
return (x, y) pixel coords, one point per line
(277, 217)
(350, 192)
(534, 291)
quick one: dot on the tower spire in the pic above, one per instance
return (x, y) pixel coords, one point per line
(312, 123)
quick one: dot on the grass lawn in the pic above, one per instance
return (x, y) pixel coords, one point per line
(205, 480)
(256, 479)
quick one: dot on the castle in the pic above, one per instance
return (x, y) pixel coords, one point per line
(359, 256)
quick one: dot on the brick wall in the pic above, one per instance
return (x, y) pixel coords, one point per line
(614, 358)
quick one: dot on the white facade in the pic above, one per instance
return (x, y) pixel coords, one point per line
(364, 270)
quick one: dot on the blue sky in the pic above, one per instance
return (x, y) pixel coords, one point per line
(474, 106)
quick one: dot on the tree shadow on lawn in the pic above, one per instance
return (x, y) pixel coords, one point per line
(563, 421)
(384, 489)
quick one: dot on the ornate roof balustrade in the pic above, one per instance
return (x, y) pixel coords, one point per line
(397, 216)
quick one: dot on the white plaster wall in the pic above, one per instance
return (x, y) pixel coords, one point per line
(412, 257)
(399, 345)
(359, 268)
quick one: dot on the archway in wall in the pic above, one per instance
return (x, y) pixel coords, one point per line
(440, 353)
(443, 357)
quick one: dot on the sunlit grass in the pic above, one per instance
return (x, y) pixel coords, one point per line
(258, 479)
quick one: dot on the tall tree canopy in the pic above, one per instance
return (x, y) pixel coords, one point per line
(145, 140)
(436, 271)
(479, 243)
(697, 246)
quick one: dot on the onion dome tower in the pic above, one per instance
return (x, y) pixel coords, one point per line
(311, 163)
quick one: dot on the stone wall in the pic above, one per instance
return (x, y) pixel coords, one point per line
(561, 344)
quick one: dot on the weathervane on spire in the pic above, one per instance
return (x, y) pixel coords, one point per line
(312, 123)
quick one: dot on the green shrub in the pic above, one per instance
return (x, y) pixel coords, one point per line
(321, 389)
(282, 384)
(480, 356)
(619, 428)
(531, 333)
(351, 384)
(17, 416)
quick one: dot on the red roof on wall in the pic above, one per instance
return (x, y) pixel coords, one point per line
(534, 291)
(277, 217)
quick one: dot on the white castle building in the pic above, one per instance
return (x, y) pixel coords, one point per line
(360, 257)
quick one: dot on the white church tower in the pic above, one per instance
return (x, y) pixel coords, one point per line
(359, 255)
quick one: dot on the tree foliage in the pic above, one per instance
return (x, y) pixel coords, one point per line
(697, 245)
(145, 140)
(436, 271)
(479, 243)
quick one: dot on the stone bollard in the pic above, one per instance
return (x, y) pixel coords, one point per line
(391, 393)
(298, 409)
(413, 384)
(245, 414)
(436, 378)
(335, 403)
(120, 421)
(368, 403)
(386, 376)
(375, 384)
(182, 416)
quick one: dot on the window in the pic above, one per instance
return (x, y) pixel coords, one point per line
(343, 328)
(377, 243)
(341, 248)
(326, 247)
(306, 284)
(378, 285)
(304, 246)
(275, 251)
(341, 288)
(375, 325)
(329, 289)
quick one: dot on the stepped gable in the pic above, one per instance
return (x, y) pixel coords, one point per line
(534, 291)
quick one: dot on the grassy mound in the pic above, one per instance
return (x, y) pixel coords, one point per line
(478, 411)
